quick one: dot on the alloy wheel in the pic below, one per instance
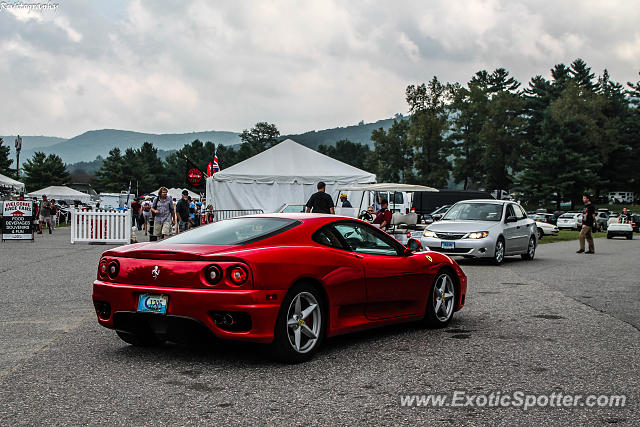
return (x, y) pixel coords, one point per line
(443, 293)
(304, 322)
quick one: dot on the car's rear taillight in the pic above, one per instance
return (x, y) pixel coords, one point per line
(102, 268)
(213, 274)
(238, 275)
(113, 269)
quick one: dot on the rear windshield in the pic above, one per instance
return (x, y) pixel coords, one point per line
(236, 231)
(567, 215)
(474, 212)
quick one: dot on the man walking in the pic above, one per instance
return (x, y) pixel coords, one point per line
(320, 202)
(165, 215)
(182, 211)
(588, 220)
(45, 214)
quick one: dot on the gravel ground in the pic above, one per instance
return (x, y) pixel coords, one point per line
(564, 323)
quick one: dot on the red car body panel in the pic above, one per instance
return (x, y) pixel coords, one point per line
(361, 290)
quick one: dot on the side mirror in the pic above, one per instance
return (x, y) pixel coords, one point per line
(413, 245)
(511, 219)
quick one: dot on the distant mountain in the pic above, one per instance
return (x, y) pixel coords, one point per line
(83, 149)
(360, 133)
(89, 145)
(29, 143)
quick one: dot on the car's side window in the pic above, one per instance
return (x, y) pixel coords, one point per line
(365, 241)
(327, 237)
(510, 211)
(519, 212)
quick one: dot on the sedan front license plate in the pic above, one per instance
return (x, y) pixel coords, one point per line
(448, 245)
(152, 303)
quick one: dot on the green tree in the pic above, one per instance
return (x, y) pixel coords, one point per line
(261, 137)
(5, 161)
(346, 151)
(42, 171)
(392, 157)
(112, 176)
(175, 166)
(428, 124)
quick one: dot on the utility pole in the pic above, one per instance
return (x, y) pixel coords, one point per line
(18, 148)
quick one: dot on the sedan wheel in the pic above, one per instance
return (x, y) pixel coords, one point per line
(300, 325)
(540, 233)
(441, 303)
(531, 250)
(498, 256)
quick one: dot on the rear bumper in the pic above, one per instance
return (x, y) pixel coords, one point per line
(196, 304)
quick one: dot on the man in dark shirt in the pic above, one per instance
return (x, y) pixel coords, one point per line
(135, 213)
(320, 202)
(182, 211)
(383, 216)
(588, 219)
(345, 202)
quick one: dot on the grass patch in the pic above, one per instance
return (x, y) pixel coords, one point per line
(567, 235)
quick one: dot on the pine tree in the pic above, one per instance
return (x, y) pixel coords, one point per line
(42, 171)
(5, 161)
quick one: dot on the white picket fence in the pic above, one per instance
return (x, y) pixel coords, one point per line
(100, 226)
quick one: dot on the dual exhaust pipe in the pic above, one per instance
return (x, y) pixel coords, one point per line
(225, 319)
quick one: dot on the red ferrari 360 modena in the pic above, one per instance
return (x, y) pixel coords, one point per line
(286, 279)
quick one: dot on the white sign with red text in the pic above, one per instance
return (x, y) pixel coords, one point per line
(17, 220)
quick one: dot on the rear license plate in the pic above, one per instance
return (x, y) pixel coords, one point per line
(448, 245)
(153, 303)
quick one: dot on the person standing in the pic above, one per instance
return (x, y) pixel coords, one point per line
(45, 213)
(135, 213)
(54, 214)
(321, 202)
(588, 220)
(182, 212)
(165, 214)
(146, 213)
(345, 202)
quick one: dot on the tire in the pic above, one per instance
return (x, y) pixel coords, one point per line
(139, 340)
(540, 233)
(441, 302)
(531, 250)
(630, 236)
(609, 236)
(498, 255)
(297, 336)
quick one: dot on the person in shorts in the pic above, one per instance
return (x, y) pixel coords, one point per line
(165, 214)
(45, 214)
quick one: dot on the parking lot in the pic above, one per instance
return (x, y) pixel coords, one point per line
(564, 323)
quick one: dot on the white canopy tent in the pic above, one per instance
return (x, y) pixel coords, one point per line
(285, 173)
(5, 181)
(61, 192)
(176, 193)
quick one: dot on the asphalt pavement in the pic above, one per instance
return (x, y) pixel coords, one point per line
(563, 323)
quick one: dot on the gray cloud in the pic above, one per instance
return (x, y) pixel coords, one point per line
(163, 66)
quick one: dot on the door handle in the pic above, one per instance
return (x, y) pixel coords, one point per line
(357, 256)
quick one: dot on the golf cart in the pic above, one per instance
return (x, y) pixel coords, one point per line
(366, 199)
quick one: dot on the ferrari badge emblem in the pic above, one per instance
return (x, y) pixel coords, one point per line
(155, 272)
(429, 258)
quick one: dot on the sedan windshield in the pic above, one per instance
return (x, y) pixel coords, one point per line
(236, 231)
(474, 212)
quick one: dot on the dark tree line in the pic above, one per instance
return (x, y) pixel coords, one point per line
(551, 141)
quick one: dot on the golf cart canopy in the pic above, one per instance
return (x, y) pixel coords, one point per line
(387, 187)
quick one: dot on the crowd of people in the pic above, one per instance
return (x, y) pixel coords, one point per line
(162, 216)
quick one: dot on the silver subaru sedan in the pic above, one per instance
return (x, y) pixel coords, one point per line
(483, 229)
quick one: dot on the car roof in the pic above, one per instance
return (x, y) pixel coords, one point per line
(494, 201)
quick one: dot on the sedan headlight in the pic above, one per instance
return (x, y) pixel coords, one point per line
(478, 235)
(428, 233)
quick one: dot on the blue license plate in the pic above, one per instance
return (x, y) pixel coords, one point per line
(448, 245)
(153, 303)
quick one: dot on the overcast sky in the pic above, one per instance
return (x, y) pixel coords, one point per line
(183, 66)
